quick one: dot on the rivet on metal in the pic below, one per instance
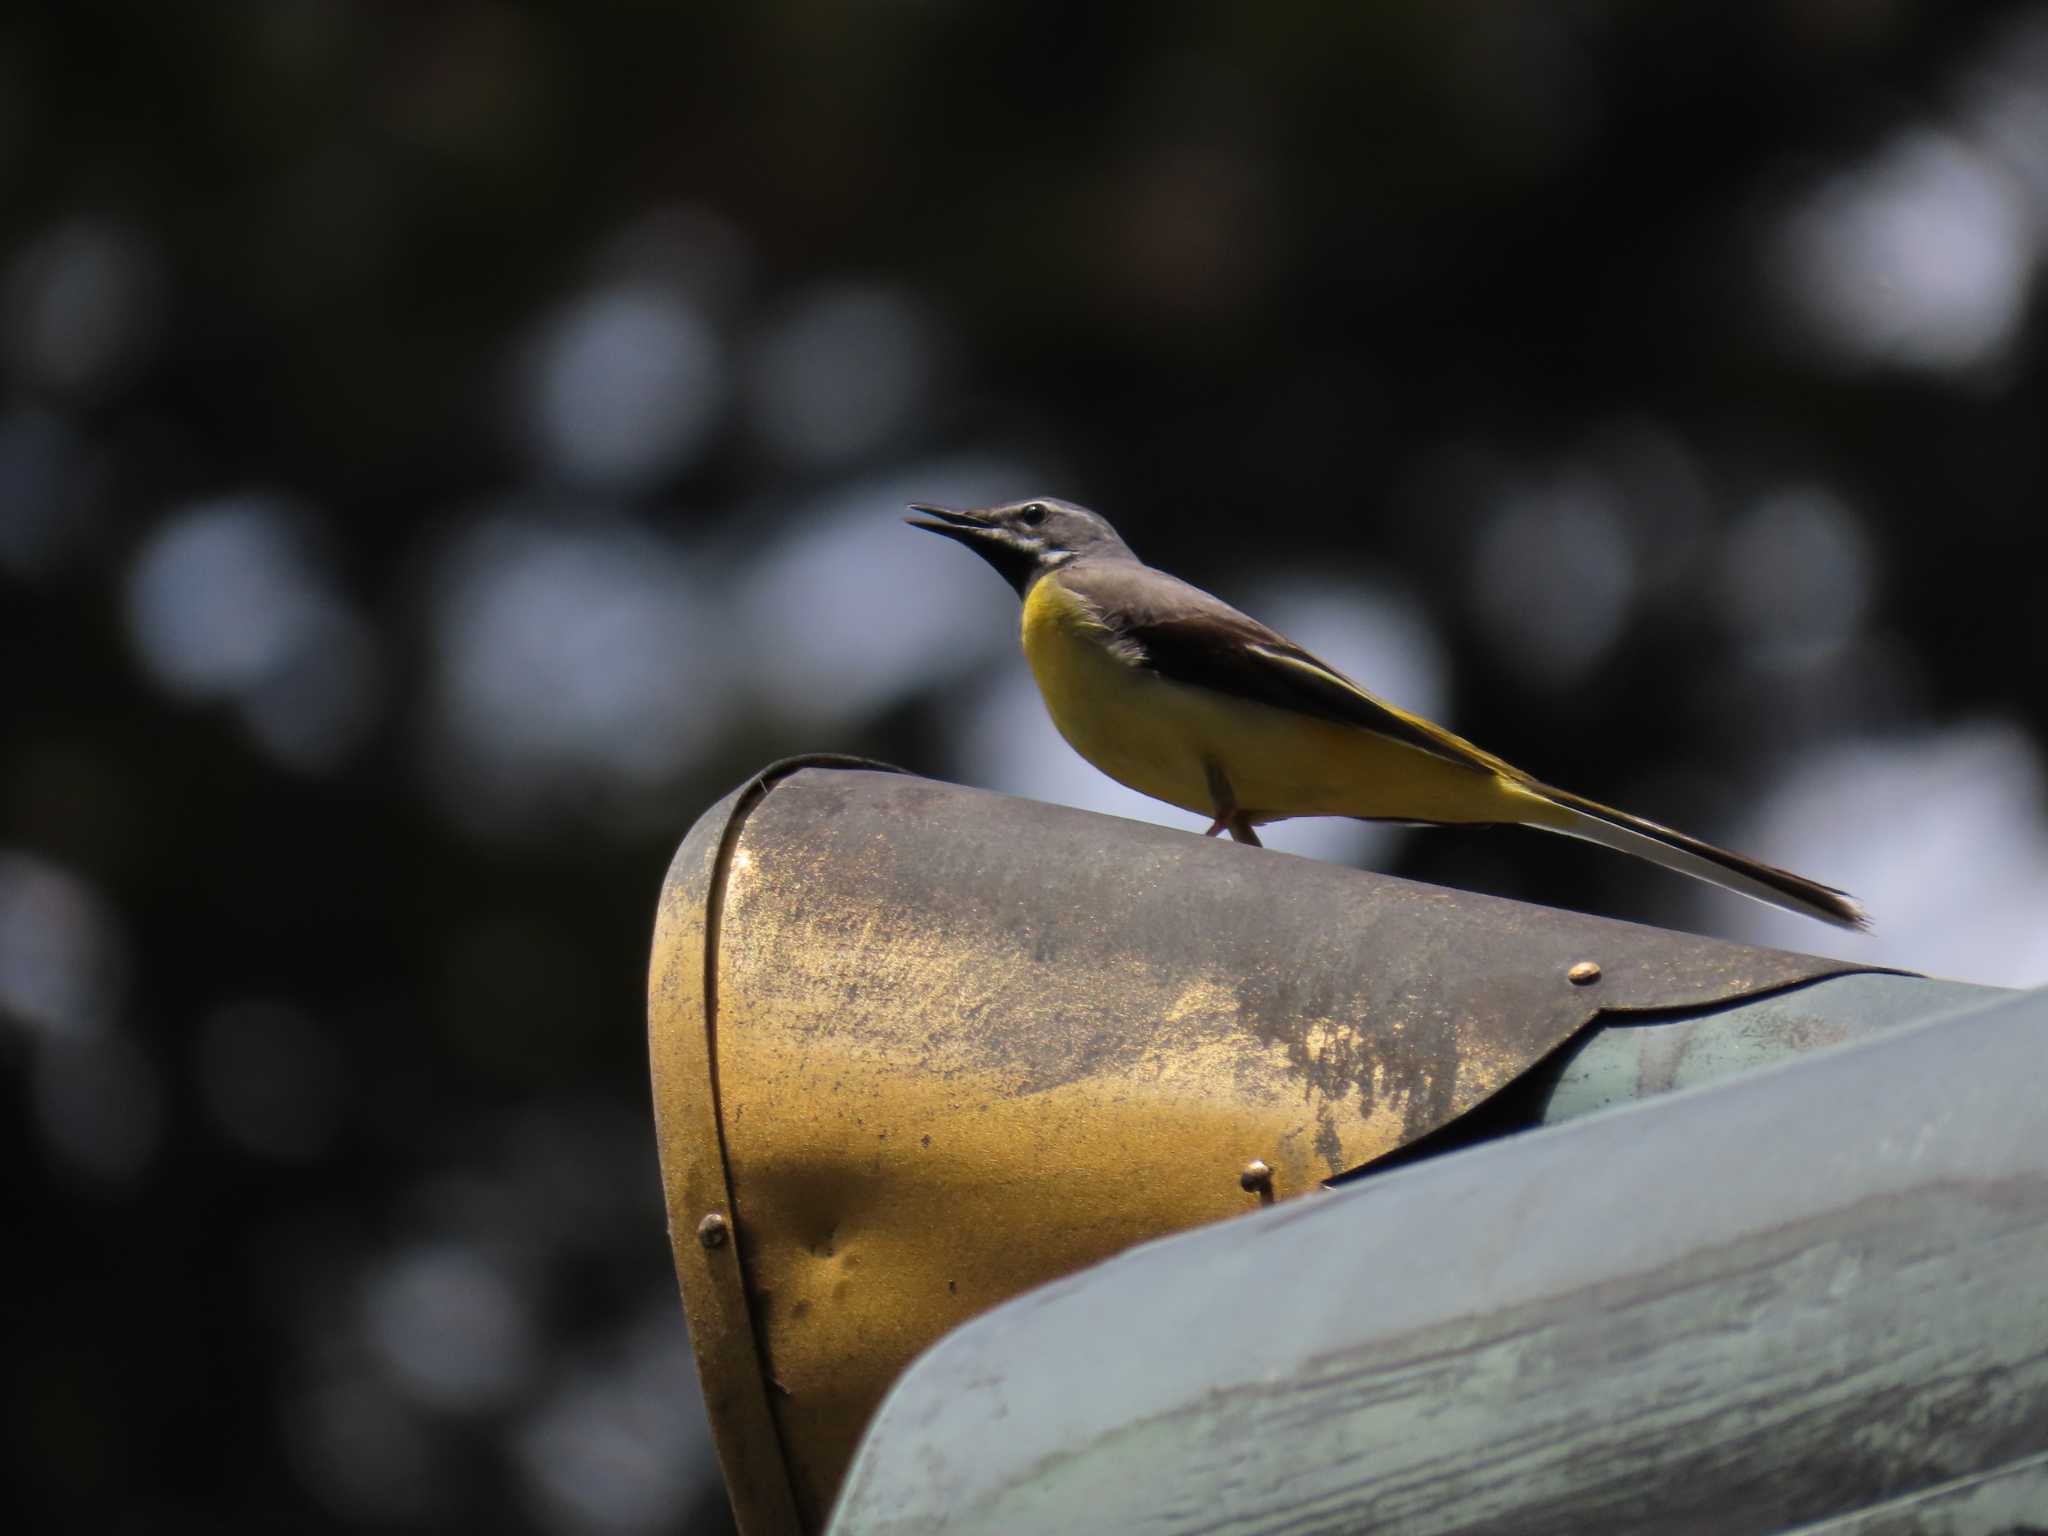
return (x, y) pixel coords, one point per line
(1584, 974)
(711, 1231)
(1256, 1178)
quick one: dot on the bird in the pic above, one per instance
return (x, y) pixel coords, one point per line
(1178, 695)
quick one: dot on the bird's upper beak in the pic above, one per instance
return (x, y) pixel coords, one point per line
(945, 520)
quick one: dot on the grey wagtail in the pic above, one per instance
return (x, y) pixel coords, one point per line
(1183, 698)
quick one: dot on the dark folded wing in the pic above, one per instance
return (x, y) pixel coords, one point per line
(1188, 636)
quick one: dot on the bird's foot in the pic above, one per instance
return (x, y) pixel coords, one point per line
(1228, 817)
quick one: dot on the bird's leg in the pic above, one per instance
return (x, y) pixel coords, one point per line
(1228, 817)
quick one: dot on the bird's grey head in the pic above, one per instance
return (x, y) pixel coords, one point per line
(1025, 539)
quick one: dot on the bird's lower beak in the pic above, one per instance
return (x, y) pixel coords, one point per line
(945, 520)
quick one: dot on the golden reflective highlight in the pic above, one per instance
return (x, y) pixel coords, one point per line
(873, 1229)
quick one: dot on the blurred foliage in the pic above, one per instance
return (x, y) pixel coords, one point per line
(335, 1203)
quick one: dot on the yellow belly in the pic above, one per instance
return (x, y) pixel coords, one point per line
(1161, 738)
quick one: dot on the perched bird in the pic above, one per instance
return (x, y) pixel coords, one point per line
(1183, 698)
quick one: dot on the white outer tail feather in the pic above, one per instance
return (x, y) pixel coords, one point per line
(1675, 851)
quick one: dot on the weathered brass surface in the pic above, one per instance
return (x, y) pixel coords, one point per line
(960, 1044)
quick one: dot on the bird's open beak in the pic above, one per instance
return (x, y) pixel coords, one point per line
(945, 520)
(978, 533)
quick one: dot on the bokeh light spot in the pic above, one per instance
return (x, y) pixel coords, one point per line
(229, 600)
(1553, 577)
(366, 1452)
(621, 1446)
(1943, 838)
(222, 596)
(569, 658)
(81, 303)
(1796, 577)
(62, 955)
(450, 1327)
(627, 384)
(843, 373)
(1918, 259)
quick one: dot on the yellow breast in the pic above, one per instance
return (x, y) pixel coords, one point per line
(1125, 720)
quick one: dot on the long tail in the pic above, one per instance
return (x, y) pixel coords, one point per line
(1610, 828)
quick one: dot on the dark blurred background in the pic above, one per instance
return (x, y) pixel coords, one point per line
(443, 447)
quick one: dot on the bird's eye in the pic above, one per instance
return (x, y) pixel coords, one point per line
(1032, 515)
